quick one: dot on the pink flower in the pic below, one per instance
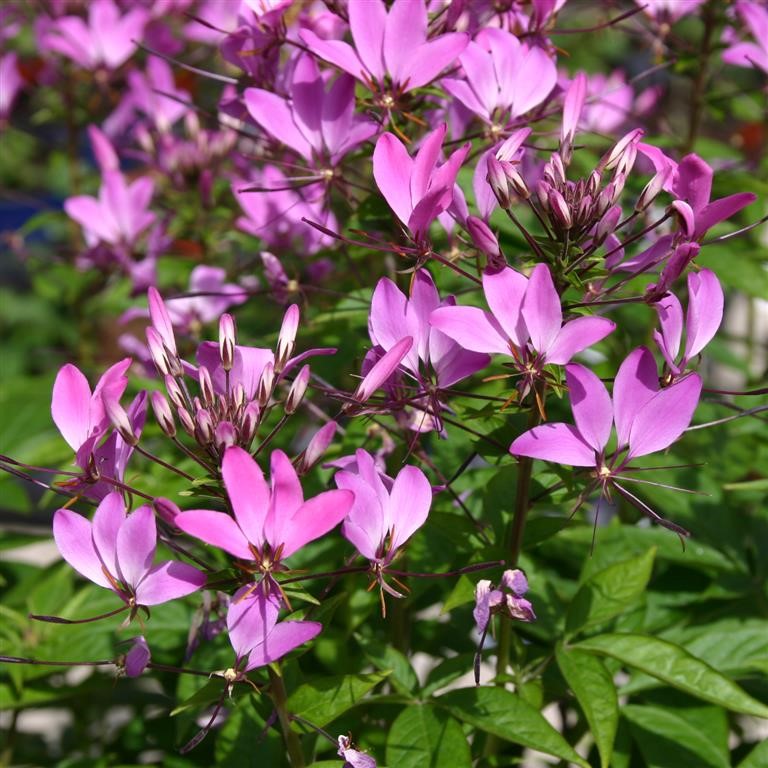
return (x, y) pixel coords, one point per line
(507, 599)
(746, 54)
(116, 552)
(417, 189)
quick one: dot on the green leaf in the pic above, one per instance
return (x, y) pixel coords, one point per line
(676, 667)
(757, 758)
(325, 699)
(423, 737)
(463, 592)
(507, 716)
(201, 698)
(610, 592)
(593, 687)
(666, 738)
(240, 739)
(388, 659)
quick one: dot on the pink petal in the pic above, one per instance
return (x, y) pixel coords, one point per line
(367, 22)
(315, 518)
(274, 116)
(387, 320)
(504, 292)
(248, 492)
(423, 301)
(107, 521)
(536, 77)
(88, 213)
(169, 581)
(136, 544)
(365, 525)
(251, 617)
(427, 61)
(282, 640)
(591, 405)
(671, 320)
(705, 310)
(576, 335)
(720, 210)
(217, 529)
(472, 328)
(308, 95)
(693, 182)
(72, 533)
(337, 117)
(409, 503)
(392, 171)
(383, 369)
(573, 105)
(406, 30)
(451, 361)
(336, 52)
(481, 76)
(424, 163)
(636, 383)
(161, 320)
(285, 499)
(557, 442)
(461, 90)
(541, 309)
(664, 417)
(70, 405)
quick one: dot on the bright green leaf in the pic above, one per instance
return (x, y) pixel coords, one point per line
(757, 758)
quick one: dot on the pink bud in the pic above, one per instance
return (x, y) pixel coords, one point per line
(161, 320)
(249, 423)
(203, 426)
(482, 236)
(317, 446)
(174, 392)
(206, 386)
(651, 191)
(157, 352)
(611, 160)
(227, 341)
(297, 391)
(119, 418)
(186, 421)
(286, 341)
(498, 181)
(266, 384)
(137, 658)
(224, 436)
(163, 414)
(607, 223)
(166, 510)
(511, 145)
(559, 211)
(383, 369)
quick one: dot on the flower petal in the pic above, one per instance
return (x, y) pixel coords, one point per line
(557, 442)
(576, 335)
(136, 544)
(505, 292)
(285, 499)
(636, 382)
(248, 492)
(405, 31)
(107, 521)
(392, 171)
(217, 529)
(72, 534)
(472, 328)
(252, 615)
(315, 517)
(168, 581)
(541, 309)
(591, 405)
(70, 404)
(282, 640)
(338, 53)
(367, 22)
(705, 310)
(409, 503)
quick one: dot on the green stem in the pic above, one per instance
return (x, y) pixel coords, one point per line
(709, 18)
(280, 699)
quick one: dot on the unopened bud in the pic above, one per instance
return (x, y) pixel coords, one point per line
(203, 426)
(266, 383)
(174, 391)
(227, 341)
(238, 394)
(584, 211)
(206, 386)
(482, 236)
(626, 161)
(166, 510)
(163, 414)
(186, 421)
(557, 169)
(497, 179)
(516, 182)
(559, 211)
(286, 341)
(607, 224)
(157, 352)
(611, 160)
(651, 191)
(542, 192)
(593, 183)
(120, 421)
(249, 422)
(317, 446)
(297, 391)
(137, 658)
(224, 435)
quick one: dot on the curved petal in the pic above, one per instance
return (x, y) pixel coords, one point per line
(591, 405)
(364, 526)
(405, 31)
(576, 335)
(636, 382)
(217, 529)
(308, 97)
(423, 301)
(705, 310)
(136, 544)
(427, 61)
(72, 534)
(274, 116)
(387, 319)
(557, 442)
(168, 581)
(505, 292)
(461, 90)
(392, 171)
(472, 328)
(665, 417)
(286, 636)
(425, 162)
(286, 498)
(382, 369)
(252, 615)
(107, 521)
(535, 77)
(409, 503)
(367, 22)
(70, 405)
(693, 182)
(248, 492)
(338, 53)
(541, 309)
(720, 210)
(670, 314)
(477, 64)
(315, 517)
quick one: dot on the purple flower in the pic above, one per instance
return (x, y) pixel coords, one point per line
(503, 78)
(137, 658)
(417, 189)
(116, 552)
(152, 93)
(668, 11)
(389, 47)
(705, 313)
(507, 599)
(647, 419)
(525, 323)
(318, 124)
(107, 40)
(385, 512)
(746, 54)
(255, 632)
(353, 758)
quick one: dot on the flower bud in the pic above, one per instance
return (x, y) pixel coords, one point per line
(157, 352)
(249, 423)
(286, 341)
(557, 169)
(203, 426)
(120, 421)
(137, 658)
(559, 212)
(651, 191)
(174, 392)
(482, 236)
(607, 224)
(186, 421)
(227, 341)
(542, 192)
(166, 510)
(224, 435)
(206, 386)
(611, 160)
(497, 179)
(382, 369)
(593, 183)
(297, 391)
(317, 446)
(163, 414)
(266, 384)
(238, 395)
(516, 181)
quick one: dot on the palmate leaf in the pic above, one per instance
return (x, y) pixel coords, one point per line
(675, 666)
(503, 714)
(593, 687)
(425, 737)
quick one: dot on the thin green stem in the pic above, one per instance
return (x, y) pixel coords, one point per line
(280, 699)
